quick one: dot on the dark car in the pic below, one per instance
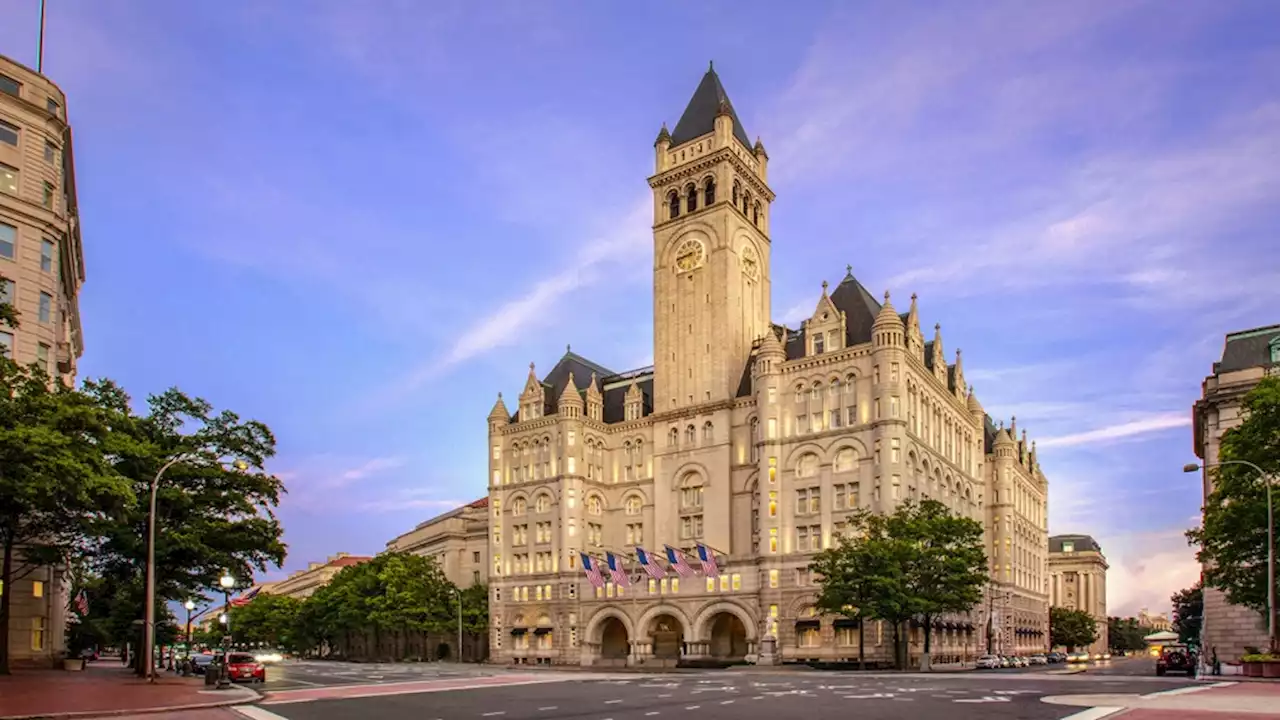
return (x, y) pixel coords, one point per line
(242, 667)
(1176, 659)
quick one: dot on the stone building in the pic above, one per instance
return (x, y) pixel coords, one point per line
(41, 271)
(304, 583)
(1154, 621)
(750, 437)
(458, 540)
(1247, 357)
(1078, 581)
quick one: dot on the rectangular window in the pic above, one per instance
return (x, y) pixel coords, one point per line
(895, 450)
(50, 152)
(8, 240)
(724, 583)
(6, 344)
(37, 588)
(8, 134)
(802, 424)
(819, 343)
(835, 418)
(42, 356)
(37, 629)
(8, 179)
(52, 106)
(711, 584)
(893, 406)
(773, 578)
(773, 540)
(773, 395)
(773, 428)
(46, 308)
(809, 637)
(773, 470)
(9, 86)
(893, 372)
(572, 466)
(735, 581)
(573, 436)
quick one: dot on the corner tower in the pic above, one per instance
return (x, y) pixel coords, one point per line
(710, 250)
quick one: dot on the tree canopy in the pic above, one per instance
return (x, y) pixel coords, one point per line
(1188, 613)
(918, 563)
(57, 486)
(1071, 628)
(1125, 635)
(1232, 537)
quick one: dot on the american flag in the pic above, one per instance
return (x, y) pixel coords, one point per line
(246, 598)
(616, 571)
(650, 564)
(675, 559)
(82, 604)
(592, 570)
(708, 559)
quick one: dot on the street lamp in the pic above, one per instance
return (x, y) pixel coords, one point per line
(227, 582)
(458, 590)
(149, 623)
(1271, 544)
(189, 605)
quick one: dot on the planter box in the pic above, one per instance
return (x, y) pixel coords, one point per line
(1270, 669)
(1252, 669)
(73, 664)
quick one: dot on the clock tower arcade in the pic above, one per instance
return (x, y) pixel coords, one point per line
(711, 207)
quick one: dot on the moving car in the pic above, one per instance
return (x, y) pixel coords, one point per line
(1078, 657)
(989, 662)
(1176, 658)
(243, 667)
(268, 656)
(1039, 660)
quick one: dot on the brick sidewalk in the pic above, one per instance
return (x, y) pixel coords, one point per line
(105, 688)
(1204, 702)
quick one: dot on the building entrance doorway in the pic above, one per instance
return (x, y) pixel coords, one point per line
(668, 637)
(614, 643)
(728, 637)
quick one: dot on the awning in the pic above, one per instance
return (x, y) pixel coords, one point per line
(519, 630)
(846, 623)
(808, 623)
(541, 630)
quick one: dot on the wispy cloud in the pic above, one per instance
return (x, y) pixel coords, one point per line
(369, 468)
(401, 504)
(1146, 569)
(1132, 428)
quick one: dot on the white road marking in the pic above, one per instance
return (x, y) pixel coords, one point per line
(726, 702)
(612, 702)
(495, 712)
(253, 712)
(1187, 690)
(874, 696)
(758, 697)
(693, 707)
(985, 699)
(654, 712)
(664, 695)
(1094, 713)
(549, 707)
(1012, 692)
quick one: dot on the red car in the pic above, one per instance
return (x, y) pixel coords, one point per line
(242, 667)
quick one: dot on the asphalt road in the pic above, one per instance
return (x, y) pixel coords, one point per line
(1126, 666)
(299, 674)
(731, 695)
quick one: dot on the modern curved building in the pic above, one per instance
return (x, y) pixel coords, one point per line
(41, 271)
(752, 439)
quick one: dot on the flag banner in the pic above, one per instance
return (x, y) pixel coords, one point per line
(592, 570)
(708, 559)
(650, 564)
(616, 571)
(675, 559)
(82, 603)
(246, 598)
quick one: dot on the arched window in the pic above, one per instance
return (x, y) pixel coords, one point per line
(634, 505)
(518, 506)
(846, 458)
(755, 214)
(746, 203)
(691, 197)
(753, 451)
(707, 432)
(542, 503)
(737, 192)
(815, 395)
(673, 436)
(808, 465)
(690, 435)
(673, 204)
(800, 393)
(595, 506)
(709, 192)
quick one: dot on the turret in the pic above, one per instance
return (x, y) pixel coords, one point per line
(762, 158)
(533, 399)
(939, 359)
(915, 338)
(570, 405)
(595, 400)
(960, 385)
(498, 416)
(888, 330)
(660, 148)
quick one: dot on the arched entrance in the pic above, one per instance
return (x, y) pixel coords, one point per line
(728, 637)
(614, 642)
(667, 635)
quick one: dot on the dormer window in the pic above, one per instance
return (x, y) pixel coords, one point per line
(1068, 546)
(819, 343)
(1275, 350)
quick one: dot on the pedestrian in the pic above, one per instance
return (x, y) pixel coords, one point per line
(1214, 662)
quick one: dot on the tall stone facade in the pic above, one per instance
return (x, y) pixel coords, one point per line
(752, 438)
(1078, 581)
(41, 271)
(1247, 357)
(457, 540)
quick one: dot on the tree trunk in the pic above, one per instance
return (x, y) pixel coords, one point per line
(928, 637)
(899, 662)
(6, 595)
(862, 658)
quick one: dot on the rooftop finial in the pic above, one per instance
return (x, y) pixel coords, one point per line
(886, 296)
(711, 66)
(848, 270)
(824, 287)
(530, 367)
(568, 348)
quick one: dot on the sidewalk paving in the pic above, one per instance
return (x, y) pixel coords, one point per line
(1218, 701)
(106, 688)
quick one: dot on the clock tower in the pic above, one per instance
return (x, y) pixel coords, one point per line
(711, 207)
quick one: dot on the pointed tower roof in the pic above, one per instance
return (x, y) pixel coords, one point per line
(570, 395)
(699, 116)
(499, 410)
(974, 405)
(913, 315)
(887, 315)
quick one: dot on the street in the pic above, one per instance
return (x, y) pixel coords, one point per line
(509, 695)
(297, 674)
(1122, 666)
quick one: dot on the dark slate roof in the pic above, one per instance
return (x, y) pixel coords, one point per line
(581, 368)
(989, 431)
(614, 398)
(1247, 349)
(1083, 543)
(699, 117)
(860, 309)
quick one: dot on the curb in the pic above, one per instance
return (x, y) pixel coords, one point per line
(243, 700)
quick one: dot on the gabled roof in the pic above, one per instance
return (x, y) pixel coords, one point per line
(699, 116)
(860, 309)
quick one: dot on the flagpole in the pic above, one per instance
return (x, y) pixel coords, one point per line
(40, 42)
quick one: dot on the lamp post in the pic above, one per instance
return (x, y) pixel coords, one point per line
(189, 605)
(1271, 546)
(227, 582)
(149, 623)
(458, 591)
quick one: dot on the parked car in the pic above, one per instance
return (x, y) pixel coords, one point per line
(244, 667)
(1176, 658)
(989, 662)
(1039, 660)
(200, 663)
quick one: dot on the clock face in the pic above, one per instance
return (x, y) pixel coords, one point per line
(750, 263)
(690, 255)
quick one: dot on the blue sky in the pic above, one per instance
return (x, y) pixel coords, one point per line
(360, 221)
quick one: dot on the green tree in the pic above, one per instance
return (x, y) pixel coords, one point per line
(1232, 537)
(1125, 635)
(269, 619)
(56, 485)
(918, 563)
(215, 503)
(1071, 628)
(1188, 613)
